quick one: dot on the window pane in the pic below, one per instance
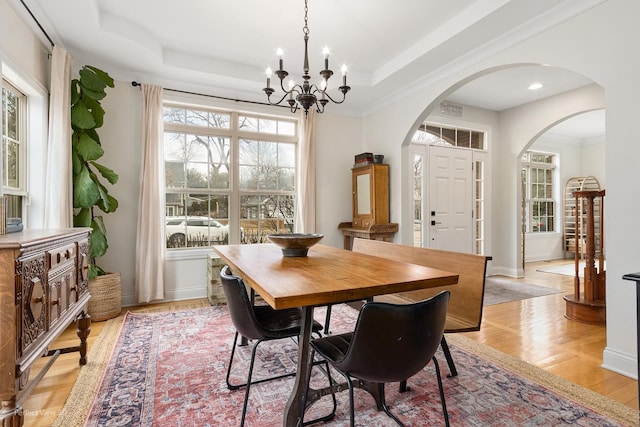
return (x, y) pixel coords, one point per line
(264, 215)
(173, 115)
(268, 179)
(286, 179)
(12, 117)
(268, 154)
(13, 165)
(195, 220)
(286, 155)
(286, 128)
(249, 177)
(449, 135)
(267, 126)
(248, 152)
(464, 138)
(477, 140)
(14, 206)
(249, 124)
(197, 118)
(220, 120)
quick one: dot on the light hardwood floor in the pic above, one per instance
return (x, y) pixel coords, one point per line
(533, 330)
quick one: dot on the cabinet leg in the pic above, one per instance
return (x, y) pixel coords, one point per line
(11, 414)
(84, 329)
(347, 242)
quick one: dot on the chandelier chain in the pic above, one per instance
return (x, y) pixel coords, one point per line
(305, 29)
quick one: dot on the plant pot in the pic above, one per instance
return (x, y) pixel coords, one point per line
(106, 297)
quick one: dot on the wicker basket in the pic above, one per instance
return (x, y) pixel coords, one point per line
(106, 299)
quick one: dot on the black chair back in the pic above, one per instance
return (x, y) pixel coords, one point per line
(392, 342)
(240, 307)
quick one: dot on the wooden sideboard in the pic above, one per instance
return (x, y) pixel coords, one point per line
(43, 289)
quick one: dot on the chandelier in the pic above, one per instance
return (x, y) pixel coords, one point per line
(306, 95)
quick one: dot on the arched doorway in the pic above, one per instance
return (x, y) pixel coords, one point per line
(517, 121)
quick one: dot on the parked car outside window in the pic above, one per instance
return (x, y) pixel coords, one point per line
(195, 231)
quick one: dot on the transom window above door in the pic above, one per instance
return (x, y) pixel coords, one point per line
(433, 134)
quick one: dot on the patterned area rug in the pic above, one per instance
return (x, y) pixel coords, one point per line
(499, 289)
(168, 369)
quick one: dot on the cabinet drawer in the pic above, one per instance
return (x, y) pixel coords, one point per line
(62, 292)
(61, 255)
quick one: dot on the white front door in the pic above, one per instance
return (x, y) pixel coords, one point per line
(450, 215)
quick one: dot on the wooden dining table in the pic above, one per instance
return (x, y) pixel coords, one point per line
(327, 275)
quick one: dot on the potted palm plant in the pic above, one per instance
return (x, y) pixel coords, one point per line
(90, 195)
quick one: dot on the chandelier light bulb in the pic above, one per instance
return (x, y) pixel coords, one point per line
(325, 54)
(268, 73)
(280, 55)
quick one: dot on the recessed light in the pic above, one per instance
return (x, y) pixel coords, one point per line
(535, 86)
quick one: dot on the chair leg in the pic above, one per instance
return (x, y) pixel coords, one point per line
(233, 351)
(246, 393)
(352, 416)
(441, 389)
(385, 407)
(333, 395)
(453, 372)
(237, 386)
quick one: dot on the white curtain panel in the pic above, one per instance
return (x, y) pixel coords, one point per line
(305, 214)
(150, 241)
(58, 204)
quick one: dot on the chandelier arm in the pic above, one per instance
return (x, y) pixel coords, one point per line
(344, 95)
(277, 103)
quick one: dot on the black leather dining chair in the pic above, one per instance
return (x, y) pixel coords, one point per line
(390, 343)
(260, 323)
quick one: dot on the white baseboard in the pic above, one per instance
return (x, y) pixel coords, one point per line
(504, 271)
(174, 295)
(620, 362)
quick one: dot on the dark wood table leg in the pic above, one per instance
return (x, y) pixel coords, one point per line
(83, 324)
(294, 411)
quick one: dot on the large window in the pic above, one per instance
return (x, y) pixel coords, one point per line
(230, 177)
(14, 141)
(538, 189)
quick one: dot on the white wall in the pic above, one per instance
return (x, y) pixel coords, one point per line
(120, 137)
(21, 48)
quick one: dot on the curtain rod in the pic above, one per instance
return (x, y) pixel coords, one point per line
(37, 23)
(134, 84)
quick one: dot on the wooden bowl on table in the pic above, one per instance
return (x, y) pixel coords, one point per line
(295, 244)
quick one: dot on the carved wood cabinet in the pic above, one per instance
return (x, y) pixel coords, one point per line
(370, 186)
(43, 289)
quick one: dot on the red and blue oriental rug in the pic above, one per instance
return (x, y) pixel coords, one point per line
(168, 369)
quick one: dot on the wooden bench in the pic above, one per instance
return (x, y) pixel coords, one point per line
(464, 313)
